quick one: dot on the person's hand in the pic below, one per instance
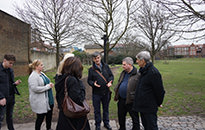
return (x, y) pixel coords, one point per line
(97, 85)
(51, 85)
(3, 102)
(17, 82)
(109, 84)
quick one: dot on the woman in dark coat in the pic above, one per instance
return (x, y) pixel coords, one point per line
(72, 69)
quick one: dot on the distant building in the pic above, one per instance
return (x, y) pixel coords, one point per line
(35, 35)
(41, 46)
(37, 44)
(195, 50)
(203, 50)
(75, 48)
(128, 49)
(91, 48)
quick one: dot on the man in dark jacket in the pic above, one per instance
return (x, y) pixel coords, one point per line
(7, 90)
(149, 93)
(125, 93)
(100, 78)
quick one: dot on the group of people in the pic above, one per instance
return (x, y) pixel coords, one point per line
(139, 92)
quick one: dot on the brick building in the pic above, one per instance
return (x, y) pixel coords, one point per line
(193, 50)
(15, 39)
(91, 48)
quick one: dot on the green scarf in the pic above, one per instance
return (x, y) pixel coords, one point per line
(50, 92)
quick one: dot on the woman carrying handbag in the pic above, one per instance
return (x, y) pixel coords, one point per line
(71, 74)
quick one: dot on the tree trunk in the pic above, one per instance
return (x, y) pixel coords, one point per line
(152, 57)
(107, 52)
(57, 54)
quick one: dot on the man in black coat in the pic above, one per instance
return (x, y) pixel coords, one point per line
(7, 90)
(149, 93)
(100, 78)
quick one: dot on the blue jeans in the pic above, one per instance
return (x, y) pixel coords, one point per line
(10, 101)
(97, 99)
(149, 121)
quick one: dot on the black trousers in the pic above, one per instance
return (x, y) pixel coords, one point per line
(149, 121)
(40, 118)
(97, 100)
(123, 108)
(8, 109)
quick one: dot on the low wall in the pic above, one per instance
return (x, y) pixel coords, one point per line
(48, 59)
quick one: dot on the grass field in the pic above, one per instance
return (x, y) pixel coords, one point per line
(184, 82)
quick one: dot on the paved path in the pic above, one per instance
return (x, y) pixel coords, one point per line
(164, 123)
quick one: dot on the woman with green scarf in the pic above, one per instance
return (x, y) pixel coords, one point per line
(40, 94)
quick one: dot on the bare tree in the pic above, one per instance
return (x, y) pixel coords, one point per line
(130, 45)
(189, 16)
(152, 27)
(105, 17)
(55, 19)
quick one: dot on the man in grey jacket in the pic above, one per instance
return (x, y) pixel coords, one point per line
(124, 93)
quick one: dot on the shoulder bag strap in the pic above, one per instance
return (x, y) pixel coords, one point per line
(65, 87)
(100, 74)
(103, 78)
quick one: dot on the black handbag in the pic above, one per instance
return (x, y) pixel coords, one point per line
(72, 109)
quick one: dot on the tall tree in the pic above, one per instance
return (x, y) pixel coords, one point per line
(189, 16)
(55, 19)
(130, 44)
(152, 27)
(105, 17)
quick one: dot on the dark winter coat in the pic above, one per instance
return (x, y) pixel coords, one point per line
(76, 91)
(150, 92)
(7, 80)
(75, 87)
(94, 76)
(131, 86)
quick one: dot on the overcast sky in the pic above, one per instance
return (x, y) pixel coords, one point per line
(8, 7)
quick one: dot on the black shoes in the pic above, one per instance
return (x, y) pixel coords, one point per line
(108, 127)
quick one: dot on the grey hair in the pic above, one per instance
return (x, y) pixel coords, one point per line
(128, 60)
(144, 55)
(95, 54)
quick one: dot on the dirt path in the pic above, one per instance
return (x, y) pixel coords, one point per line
(88, 97)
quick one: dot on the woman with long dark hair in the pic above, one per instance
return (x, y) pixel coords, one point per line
(72, 69)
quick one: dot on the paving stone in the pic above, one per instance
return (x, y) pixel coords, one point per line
(164, 123)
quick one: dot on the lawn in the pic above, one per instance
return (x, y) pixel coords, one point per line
(184, 83)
